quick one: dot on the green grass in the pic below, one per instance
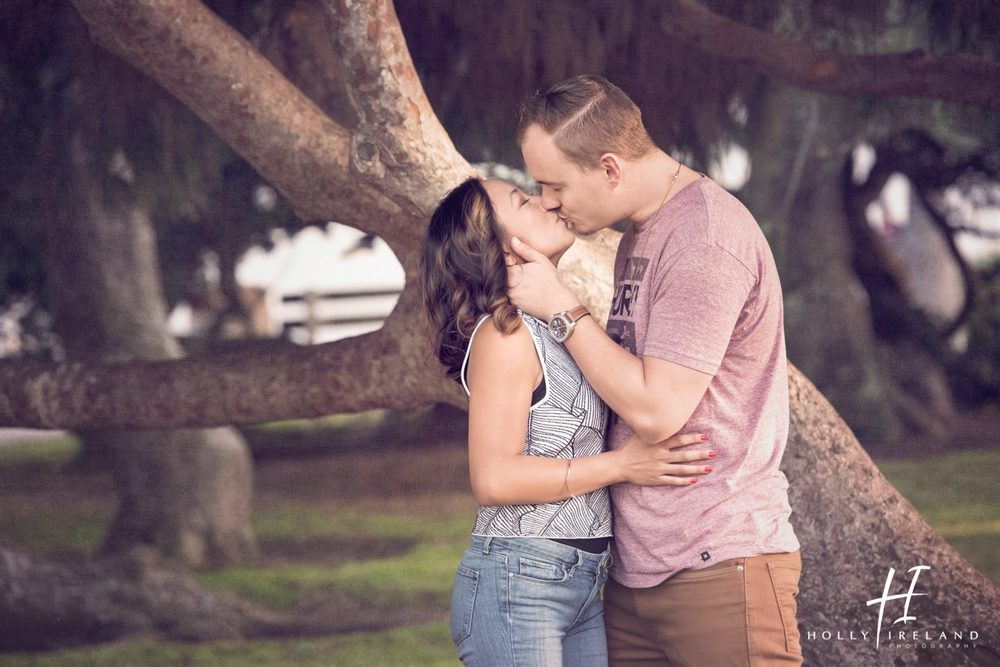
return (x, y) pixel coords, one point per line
(367, 419)
(421, 575)
(426, 644)
(54, 451)
(959, 495)
(301, 521)
(415, 551)
(47, 528)
(55, 533)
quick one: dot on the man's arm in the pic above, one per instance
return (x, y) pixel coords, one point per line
(654, 396)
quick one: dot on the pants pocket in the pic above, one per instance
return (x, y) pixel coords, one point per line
(785, 583)
(463, 603)
(534, 569)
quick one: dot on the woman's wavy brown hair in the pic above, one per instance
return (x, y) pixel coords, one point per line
(463, 273)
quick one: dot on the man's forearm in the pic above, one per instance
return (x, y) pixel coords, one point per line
(619, 377)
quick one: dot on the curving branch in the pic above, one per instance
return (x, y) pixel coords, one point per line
(953, 77)
(326, 171)
(382, 175)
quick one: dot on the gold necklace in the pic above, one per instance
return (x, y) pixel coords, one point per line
(663, 201)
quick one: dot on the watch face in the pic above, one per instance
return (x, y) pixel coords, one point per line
(559, 328)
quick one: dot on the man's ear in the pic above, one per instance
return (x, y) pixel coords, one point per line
(612, 166)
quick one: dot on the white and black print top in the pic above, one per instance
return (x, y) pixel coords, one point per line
(566, 421)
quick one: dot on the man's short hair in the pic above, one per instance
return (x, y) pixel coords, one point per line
(587, 116)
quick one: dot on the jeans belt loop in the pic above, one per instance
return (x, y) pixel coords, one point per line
(578, 563)
(486, 545)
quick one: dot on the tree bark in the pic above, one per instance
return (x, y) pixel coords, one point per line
(185, 492)
(853, 526)
(48, 605)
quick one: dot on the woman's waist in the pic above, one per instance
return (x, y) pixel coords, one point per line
(546, 548)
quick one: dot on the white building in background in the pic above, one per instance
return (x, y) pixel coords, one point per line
(317, 286)
(336, 282)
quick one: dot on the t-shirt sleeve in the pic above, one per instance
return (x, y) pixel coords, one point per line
(697, 299)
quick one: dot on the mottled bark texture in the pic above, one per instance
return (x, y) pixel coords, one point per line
(47, 605)
(186, 492)
(853, 525)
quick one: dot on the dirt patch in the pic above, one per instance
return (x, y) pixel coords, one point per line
(330, 550)
(333, 612)
(392, 472)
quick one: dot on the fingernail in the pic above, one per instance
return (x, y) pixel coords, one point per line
(711, 455)
(693, 480)
(704, 437)
(708, 468)
(515, 240)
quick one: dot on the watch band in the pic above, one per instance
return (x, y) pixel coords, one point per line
(578, 313)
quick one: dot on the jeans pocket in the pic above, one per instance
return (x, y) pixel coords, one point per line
(463, 603)
(539, 570)
(785, 583)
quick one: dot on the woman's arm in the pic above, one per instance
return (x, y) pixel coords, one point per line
(503, 370)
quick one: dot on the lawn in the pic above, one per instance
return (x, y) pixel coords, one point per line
(369, 535)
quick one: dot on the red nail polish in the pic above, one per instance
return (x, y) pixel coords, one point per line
(704, 437)
(708, 468)
(711, 455)
(693, 480)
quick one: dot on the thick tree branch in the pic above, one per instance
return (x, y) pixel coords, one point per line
(382, 176)
(953, 77)
(326, 171)
(389, 368)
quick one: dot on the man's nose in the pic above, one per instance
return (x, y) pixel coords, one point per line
(548, 201)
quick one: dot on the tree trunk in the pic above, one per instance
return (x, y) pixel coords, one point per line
(797, 192)
(853, 527)
(186, 492)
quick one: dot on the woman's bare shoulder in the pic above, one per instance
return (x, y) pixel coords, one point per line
(506, 353)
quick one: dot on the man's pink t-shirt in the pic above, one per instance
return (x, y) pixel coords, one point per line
(696, 285)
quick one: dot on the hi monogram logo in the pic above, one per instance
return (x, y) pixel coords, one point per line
(907, 597)
(915, 637)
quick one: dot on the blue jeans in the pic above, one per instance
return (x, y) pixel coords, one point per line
(529, 601)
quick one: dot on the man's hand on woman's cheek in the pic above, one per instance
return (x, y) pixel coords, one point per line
(536, 286)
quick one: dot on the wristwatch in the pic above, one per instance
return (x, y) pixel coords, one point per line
(562, 324)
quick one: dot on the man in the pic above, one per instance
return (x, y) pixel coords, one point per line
(707, 574)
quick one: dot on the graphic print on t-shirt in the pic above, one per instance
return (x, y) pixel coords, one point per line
(621, 322)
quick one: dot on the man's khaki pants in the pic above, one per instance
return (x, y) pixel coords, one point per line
(737, 612)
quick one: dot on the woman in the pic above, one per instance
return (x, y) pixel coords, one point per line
(527, 591)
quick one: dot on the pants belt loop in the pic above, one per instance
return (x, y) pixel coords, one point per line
(578, 563)
(486, 545)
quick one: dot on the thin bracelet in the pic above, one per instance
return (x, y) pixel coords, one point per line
(569, 469)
